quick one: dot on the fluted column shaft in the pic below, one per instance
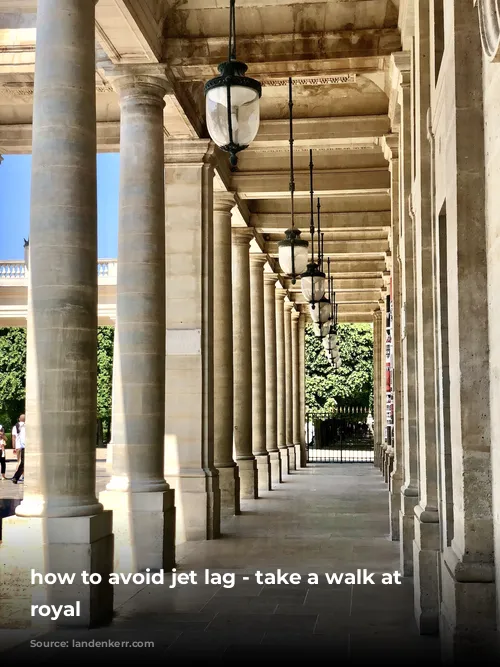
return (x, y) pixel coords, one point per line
(60, 524)
(280, 295)
(259, 371)
(242, 359)
(296, 425)
(271, 376)
(229, 480)
(289, 384)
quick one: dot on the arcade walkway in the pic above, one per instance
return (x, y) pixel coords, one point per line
(326, 518)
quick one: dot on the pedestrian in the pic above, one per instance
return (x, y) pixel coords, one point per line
(3, 455)
(19, 445)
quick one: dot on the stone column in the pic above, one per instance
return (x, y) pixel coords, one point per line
(426, 544)
(229, 479)
(382, 382)
(289, 384)
(258, 347)
(60, 526)
(281, 379)
(377, 401)
(271, 376)
(242, 355)
(190, 372)
(141, 500)
(409, 490)
(391, 151)
(468, 627)
(302, 390)
(297, 426)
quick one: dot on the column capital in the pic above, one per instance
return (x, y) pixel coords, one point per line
(402, 61)
(390, 146)
(224, 201)
(296, 315)
(257, 260)
(146, 83)
(189, 152)
(242, 236)
(270, 278)
(281, 293)
(377, 315)
(289, 305)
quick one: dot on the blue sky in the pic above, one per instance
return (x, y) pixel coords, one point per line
(15, 183)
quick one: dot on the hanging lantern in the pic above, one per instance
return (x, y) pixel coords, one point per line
(232, 101)
(313, 284)
(322, 312)
(292, 251)
(313, 280)
(292, 254)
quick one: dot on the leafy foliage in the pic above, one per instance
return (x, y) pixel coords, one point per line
(13, 375)
(352, 383)
(105, 339)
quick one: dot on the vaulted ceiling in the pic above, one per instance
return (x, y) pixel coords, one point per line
(338, 55)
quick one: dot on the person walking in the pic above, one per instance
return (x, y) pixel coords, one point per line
(3, 455)
(19, 445)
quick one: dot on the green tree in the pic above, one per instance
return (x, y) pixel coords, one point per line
(105, 339)
(13, 376)
(352, 383)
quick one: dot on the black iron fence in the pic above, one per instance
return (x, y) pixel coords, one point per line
(343, 436)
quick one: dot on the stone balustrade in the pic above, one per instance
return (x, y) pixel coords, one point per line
(12, 270)
(16, 270)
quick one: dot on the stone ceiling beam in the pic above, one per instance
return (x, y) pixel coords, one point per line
(16, 139)
(195, 58)
(356, 268)
(343, 248)
(351, 221)
(307, 129)
(257, 185)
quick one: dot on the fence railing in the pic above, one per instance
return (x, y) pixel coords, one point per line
(342, 436)
(12, 270)
(16, 270)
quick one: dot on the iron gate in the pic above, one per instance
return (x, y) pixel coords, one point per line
(344, 436)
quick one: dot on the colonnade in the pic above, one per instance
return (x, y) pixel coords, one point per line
(438, 460)
(208, 398)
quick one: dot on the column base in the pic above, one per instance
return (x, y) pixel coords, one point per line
(382, 459)
(263, 472)
(69, 545)
(275, 463)
(229, 482)
(292, 465)
(298, 456)
(467, 618)
(409, 498)
(144, 528)
(396, 483)
(426, 571)
(249, 483)
(197, 504)
(285, 462)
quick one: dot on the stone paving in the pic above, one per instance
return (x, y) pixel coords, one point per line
(327, 518)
